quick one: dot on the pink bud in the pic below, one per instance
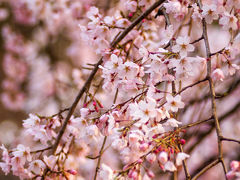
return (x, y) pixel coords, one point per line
(155, 136)
(182, 141)
(132, 174)
(72, 171)
(130, 15)
(151, 157)
(144, 146)
(163, 157)
(217, 74)
(234, 165)
(150, 174)
(139, 161)
(94, 103)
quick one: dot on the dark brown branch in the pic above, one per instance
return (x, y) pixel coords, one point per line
(187, 174)
(198, 82)
(233, 87)
(197, 40)
(100, 157)
(230, 139)
(212, 91)
(218, 52)
(74, 105)
(196, 123)
(209, 166)
(41, 150)
(203, 135)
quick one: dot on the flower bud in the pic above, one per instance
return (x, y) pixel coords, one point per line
(72, 171)
(163, 157)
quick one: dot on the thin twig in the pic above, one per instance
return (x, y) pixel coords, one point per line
(230, 139)
(187, 174)
(41, 150)
(209, 166)
(203, 135)
(196, 123)
(100, 157)
(197, 40)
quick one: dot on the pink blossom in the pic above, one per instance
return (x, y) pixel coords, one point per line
(163, 157)
(23, 153)
(37, 167)
(228, 21)
(143, 111)
(172, 122)
(151, 157)
(209, 13)
(168, 35)
(106, 173)
(173, 103)
(50, 161)
(183, 46)
(6, 165)
(172, 6)
(180, 157)
(217, 75)
(131, 5)
(169, 166)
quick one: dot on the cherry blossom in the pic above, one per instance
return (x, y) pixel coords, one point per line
(180, 157)
(103, 85)
(163, 157)
(106, 172)
(183, 46)
(228, 21)
(37, 167)
(217, 74)
(173, 103)
(169, 166)
(143, 111)
(209, 13)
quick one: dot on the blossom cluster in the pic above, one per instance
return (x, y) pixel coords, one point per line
(135, 103)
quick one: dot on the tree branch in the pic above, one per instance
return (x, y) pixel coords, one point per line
(100, 157)
(211, 85)
(230, 139)
(209, 166)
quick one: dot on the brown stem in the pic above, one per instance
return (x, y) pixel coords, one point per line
(100, 157)
(209, 166)
(196, 123)
(41, 150)
(74, 105)
(230, 139)
(203, 135)
(212, 91)
(187, 174)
